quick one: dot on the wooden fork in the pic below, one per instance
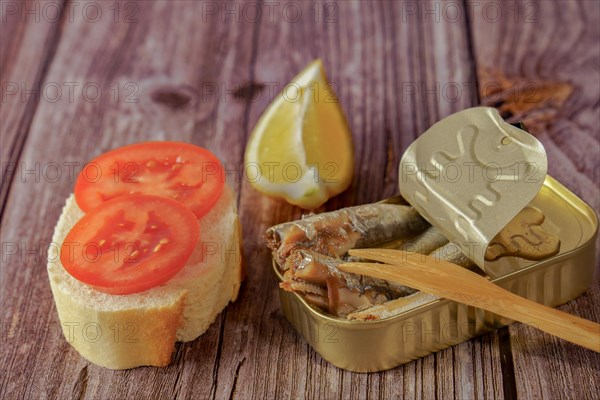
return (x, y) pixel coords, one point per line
(453, 282)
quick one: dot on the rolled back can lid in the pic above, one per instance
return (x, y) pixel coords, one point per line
(470, 174)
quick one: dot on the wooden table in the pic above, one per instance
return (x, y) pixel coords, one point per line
(81, 78)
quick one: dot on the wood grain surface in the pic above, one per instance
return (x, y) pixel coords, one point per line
(203, 72)
(553, 48)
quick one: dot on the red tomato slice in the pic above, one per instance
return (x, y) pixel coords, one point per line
(181, 171)
(130, 244)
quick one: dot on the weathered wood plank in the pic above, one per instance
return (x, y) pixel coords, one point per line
(29, 38)
(539, 63)
(550, 84)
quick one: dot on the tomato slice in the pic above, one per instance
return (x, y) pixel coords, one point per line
(189, 174)
(130, 244)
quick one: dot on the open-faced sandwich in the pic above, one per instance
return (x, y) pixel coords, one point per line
(147, 252)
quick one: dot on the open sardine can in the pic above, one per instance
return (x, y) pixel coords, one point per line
(470, 175)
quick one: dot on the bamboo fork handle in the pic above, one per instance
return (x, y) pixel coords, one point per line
(453, 282)
(550, 320)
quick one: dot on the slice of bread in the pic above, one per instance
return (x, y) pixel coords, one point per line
(127, 331)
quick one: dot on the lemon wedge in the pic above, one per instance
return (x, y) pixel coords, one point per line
(301, 148)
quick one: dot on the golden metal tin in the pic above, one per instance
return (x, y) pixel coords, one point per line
(435, 324)
(424, 323)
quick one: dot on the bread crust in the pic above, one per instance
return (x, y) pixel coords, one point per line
(121, 332)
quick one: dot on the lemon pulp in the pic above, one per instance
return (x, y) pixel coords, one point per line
(301, 148)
